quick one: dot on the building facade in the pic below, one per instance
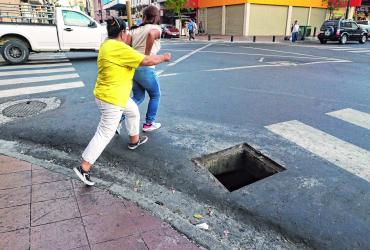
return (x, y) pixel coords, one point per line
(259, 17)
(338, 8)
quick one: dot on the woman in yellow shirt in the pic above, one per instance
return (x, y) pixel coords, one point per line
(116, 67)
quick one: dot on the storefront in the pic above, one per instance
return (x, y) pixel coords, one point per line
(259, 17)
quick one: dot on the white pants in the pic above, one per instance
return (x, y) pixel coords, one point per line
(110, 118)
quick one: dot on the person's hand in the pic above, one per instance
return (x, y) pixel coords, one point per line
(167, 57)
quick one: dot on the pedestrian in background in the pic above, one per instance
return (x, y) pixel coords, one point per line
(116, 67)
(295, 31)
(191, 28)
(145, 38)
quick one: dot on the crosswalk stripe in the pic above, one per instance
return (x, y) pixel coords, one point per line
(356, 117)
(41, 71)
(344, 49)
(360, 51)
(37, 79)
(343, 154)
(48, 56)
(29, 66)
(38, 61)
(41, 89)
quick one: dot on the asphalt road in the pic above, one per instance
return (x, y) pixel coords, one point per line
(306, 106)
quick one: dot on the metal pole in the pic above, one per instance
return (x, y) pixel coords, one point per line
(128, 10)
(347, 10)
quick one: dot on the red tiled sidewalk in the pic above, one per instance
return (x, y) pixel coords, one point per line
(40, 209)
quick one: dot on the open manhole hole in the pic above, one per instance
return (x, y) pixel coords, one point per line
(239, 166)
(24, 109)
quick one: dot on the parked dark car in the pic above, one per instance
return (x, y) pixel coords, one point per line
(169, 31)
(342, 31)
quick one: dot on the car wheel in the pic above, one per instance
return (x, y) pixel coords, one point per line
(343, 39)
(323, 41)
(15, 51)
(363, 39)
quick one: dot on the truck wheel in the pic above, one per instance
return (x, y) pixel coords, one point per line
(343, 39)
(363, 39)
(15, 52)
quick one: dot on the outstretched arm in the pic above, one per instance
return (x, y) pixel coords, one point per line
(155, 59)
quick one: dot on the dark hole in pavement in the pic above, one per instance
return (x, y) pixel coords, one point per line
(239, 166)
(24, 109)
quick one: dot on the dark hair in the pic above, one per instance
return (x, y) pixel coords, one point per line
(151, 16)
(115, 26)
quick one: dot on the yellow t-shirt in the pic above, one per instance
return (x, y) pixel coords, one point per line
(116, 67)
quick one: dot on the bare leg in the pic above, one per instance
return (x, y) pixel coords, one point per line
(134, 139)
(85, 166)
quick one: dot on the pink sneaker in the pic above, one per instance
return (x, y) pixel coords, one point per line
(151, 127)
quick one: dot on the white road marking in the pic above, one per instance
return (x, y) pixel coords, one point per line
(159, 72)
(40, 89)
(245, 67)
(248, 54)
(346, 48)
(343, 154)
(44, 55)
(171, 74)
(33, 62)
(28, 66)
(280, 64)
(40, 71)
(261, 59)
(37, 79)
(283, 63)
(319, 46)
(353, 116)
(188, 55)
(324, 62)
(359, 51)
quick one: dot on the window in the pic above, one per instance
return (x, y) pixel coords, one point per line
(347, 25)
(73, 18)
(354, 25)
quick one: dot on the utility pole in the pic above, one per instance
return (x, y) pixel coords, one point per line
(347, 10)
(128, 10)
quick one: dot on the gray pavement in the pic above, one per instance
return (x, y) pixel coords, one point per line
(277, 97)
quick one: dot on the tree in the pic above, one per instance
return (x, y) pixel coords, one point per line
(175, 6)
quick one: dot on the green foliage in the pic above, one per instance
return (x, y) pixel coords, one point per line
(175, 5)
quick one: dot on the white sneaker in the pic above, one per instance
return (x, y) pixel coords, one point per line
(141, 141)
(84, 176)
(151, 127)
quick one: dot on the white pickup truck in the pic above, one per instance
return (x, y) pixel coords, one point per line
(26, 28)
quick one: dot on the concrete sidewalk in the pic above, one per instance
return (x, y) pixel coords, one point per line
(40, 209)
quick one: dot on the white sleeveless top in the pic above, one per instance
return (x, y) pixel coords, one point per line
(139, 36)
